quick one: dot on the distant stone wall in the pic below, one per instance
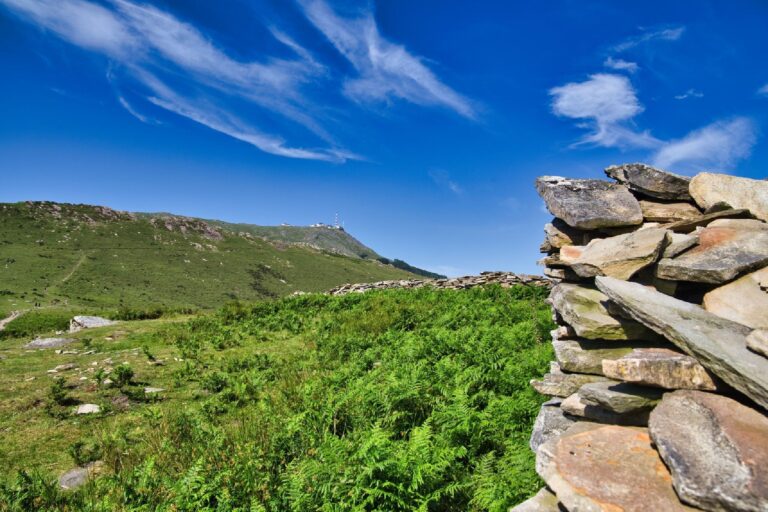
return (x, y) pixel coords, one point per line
(505, 279)
(660, 387)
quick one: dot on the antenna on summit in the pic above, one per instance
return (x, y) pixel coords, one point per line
(336, 221)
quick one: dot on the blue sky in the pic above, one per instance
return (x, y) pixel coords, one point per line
(423, 123)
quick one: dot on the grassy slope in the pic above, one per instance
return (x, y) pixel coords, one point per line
(96, 258)
(390, 400)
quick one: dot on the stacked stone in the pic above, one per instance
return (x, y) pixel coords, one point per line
(504, 279)
(660, 388)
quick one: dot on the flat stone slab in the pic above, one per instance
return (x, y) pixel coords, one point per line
(717, 343)
(576, 405)
(745, 300)
(542, 501)
(584, 310)
(722, 254)
(49, 342)
(78, 476)
(79, 323)
(708, 189)
(586, 356)
(757, 341)
(620, 256)
(686, 226)
(715, 448)
(651, 181)
(550, 423)
(559, 234)
(562, 384)
(660, 367)
(88, 409)
(620, 397)
(589, 204)
(607, 468)
(679, 242)
(655, 211)
(150, 390)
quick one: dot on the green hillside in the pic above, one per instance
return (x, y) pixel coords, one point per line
(396, 400)
(95, 257)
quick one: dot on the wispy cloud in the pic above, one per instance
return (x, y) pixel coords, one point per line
(763, 90)
(606, 103)
(620, 65)
(690, 93)
(385, 70)
(718, 146)
(135, 113)
(663, 34)
(443, 180)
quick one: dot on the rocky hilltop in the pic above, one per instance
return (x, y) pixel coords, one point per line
(659, 390)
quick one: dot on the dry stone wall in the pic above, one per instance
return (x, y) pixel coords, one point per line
(505, 279)
(659, 390)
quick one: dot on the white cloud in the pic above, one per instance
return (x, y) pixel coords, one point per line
(131, 110)
(607, 102)
(763, 90)
(666, 34)
(621, 65)
(385, 70)
(690, 93)
(718, 146)
(443, 179)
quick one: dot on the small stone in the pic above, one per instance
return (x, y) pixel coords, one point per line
(651, 181)
(48, 342)
(151, 390)
(757, 341)
(717, 343)
(607, 468)
(575, 405)
(63, 368)
(620, 397)
(78, 476)
(542, 501)
(722, 254)
(550, 423)
(715, 448)
(589, 204)
(744, 300)
(584, 310)
(708, 189)
(620, 256)
(668, 212)
(88, 409)
(660, 367)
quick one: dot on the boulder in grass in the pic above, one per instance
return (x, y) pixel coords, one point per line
(744, 300)
(659, 367)
(88, 409)
(709, 189)
(79, 323)
(78, 476)
(589, 204)
(650, 181)
(49, 342)
(715, 448)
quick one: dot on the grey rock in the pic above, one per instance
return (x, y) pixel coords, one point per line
(607, 468)
(620, 256)
(550, 423)
(660, 367)
(717, 343)
(679, 242)
(757, 341)
(151, 391)
(715, 448)
(63, 368)
(48, 342)
(575, 405)
(620, 397)
(668, 212)
(542, 501)
(559, 234)
(585, 311)
(88, 409)
(589, 204)
(586, 356)
(651, 181)
(78, 476)
(722, 254)
(708, 189)
(686, 226)
(79, 323)
(557, 383)
(744, 300)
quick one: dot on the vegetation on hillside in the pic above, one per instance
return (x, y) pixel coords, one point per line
(396, 400)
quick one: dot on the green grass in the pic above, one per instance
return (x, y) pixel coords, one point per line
(77, 256)
(391, 400)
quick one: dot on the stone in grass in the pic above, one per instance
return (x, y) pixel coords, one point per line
(757, 341)
(668, 212)
(63, 368)
(584, 309)
(595, 467)
(589, 204)
(715, 448)
(651, 181)
(720, 345)
(550, 423)
(621, 397)
(723, 253)
(88, 409)
(660, 367)
(542, 501)
(79, 323)
(620, 256)
(575, 405)
(586, 356)
(744, 300)
(49, 342)
(78, 476)
(151, 391)
(708, 189)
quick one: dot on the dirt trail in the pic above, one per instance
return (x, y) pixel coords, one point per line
(74, 269)
(5, 321)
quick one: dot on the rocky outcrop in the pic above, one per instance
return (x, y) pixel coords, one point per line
(503, 279)
(663, 324)
(79, 323)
